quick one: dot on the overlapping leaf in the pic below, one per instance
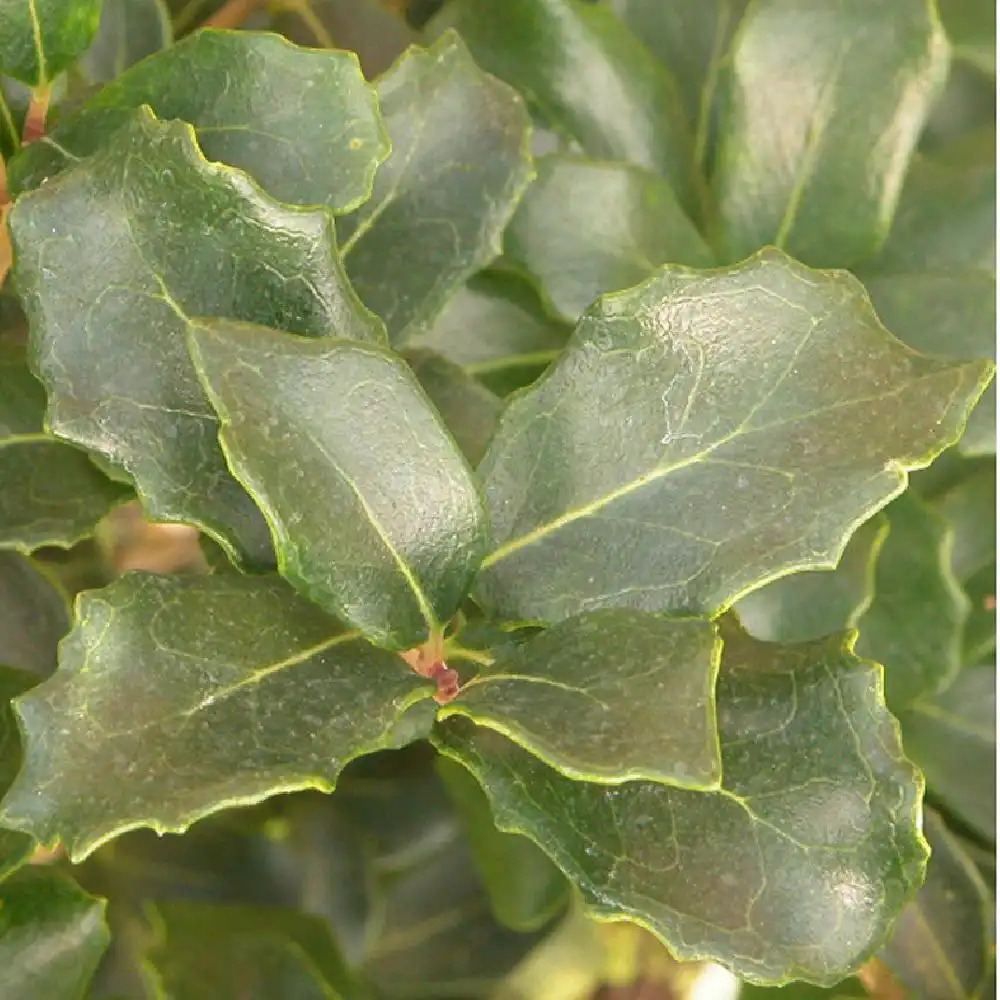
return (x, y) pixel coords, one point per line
(469, 410)
(41, 38)
(162, 711)
(52, 935)
(914, 625)
(459, 164)
(793, 869)
(811, 605)
(109, 305)
(826, 101)
(494, 327)
(737, 425)
(587, 76)
(50, 493)
(302, 122)
(585, 228)
(943, 943)
(34, 616)
(14, 846)
(933, 284)
(972, 28)
(952, 737)
(129, 30)
(210, 952)
(609, 696)
(374, 512)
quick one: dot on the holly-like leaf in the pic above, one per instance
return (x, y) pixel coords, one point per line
(50, 493)
(526, 889)
(914, 625)
(52, 935)
(303, 123)
(315, 428)
(795, 868)
(587, 76)
(460, 162)
(41, 38)
(14, 846)
(800, 165)
(971, 26)
(952, 738)
(585, 228)
(34, 616)
(692, 40)
(610, 696)
(162, 711)
(943, 944)
(733, 426)
(811, 605)
(207, 952)
(129, 31)
(494, 327)
(109, 306)
(933, 284)
(469, 410)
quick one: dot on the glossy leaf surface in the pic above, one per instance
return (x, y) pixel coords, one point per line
(303, 123)
(161, 712)
(14, 846)
(738, 425)
(585, 228)
(821, 843)
(610, 696)
(458, 167)
(319, 432)
(943, 942)
(41, 38)
(50, 493)
(587, 76)
(827, 99)
(914, 625)
(52, 935)
(952, 738)
(109, 305)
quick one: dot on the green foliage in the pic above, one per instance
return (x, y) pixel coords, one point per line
(554, 571)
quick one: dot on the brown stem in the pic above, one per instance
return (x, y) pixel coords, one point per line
(34, 120)
(232, 13)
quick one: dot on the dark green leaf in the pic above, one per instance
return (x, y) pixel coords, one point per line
(692, 39)
(460, 162)
(34, 616)
(14, 847)
(178, 696)
(969, 506)
(827, 100)
(52, 935)
(942, 945)
(610, 696)
(129, 31)
(585, 228)
(815, 824)
(587, 76)
(914, 625)
(314, 427)
(808, 606)
(469, 410)
(302, 122)
(41, 38)
(526, 889)
(971, 26)
(704, 433)
(952, 737)
(494, 326)
(50, 493)
(232, 953)
(109, 305)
